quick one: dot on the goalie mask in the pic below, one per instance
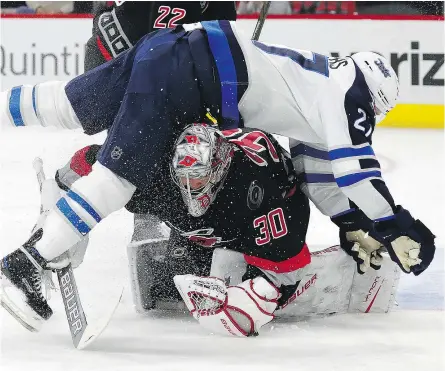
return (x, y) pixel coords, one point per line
(382, 81)
(200, 165)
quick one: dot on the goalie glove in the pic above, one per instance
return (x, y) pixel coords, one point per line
(235, 310)
(409, 242)
(356, 240)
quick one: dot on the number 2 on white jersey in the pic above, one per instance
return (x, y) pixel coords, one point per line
(358, 123)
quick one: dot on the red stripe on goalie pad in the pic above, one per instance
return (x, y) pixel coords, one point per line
(300, 260)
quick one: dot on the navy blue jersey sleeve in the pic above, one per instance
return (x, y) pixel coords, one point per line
(348, 121)
(361, 123)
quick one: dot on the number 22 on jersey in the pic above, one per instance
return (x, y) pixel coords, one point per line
(271, 226)
(165, 11)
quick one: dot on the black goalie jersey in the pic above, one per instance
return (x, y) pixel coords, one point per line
(260, 211)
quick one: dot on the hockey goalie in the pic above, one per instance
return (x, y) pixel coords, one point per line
(255, 220)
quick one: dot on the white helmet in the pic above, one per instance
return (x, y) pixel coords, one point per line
(381, 79)
(200, 165)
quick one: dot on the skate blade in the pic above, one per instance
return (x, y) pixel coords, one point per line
(25, 316)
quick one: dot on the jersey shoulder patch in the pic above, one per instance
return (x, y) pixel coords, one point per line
(258, 146)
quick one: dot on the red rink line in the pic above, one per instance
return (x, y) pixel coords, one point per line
(377, 17)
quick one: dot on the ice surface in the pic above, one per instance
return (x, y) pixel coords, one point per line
(410, 338)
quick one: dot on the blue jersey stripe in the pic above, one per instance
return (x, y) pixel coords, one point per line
(242, 74)
(85, 205)
(343, 213)
(385, 218)
(318, 63)
(72, 217)
(222, 55)
(336, 154)
(302, 149)
(14, 106)
(319, 178)
(347, 180)
(34, 99)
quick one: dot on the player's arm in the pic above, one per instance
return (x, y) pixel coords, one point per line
(318, 183)
(348, 126)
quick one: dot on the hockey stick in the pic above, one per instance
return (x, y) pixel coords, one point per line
(71, 300)
(82, 333)
(261, 19)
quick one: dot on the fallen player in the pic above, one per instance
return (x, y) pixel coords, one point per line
(171, 78)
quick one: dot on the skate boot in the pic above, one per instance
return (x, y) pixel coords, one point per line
(21, 285)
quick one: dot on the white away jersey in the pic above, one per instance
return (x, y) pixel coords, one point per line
(324, 105)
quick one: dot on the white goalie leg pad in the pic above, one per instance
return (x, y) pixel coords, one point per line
(330, 284)
(375, 291)
(235, 310)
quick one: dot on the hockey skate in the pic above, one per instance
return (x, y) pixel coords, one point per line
(21, 285)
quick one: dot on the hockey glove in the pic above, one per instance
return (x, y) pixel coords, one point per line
(79, 165)
(357, 242)
(409, 242)
(235, 310)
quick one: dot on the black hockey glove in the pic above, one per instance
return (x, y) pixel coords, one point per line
(409, 242)
(357, 241)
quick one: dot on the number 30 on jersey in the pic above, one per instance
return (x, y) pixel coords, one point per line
(271, 226)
